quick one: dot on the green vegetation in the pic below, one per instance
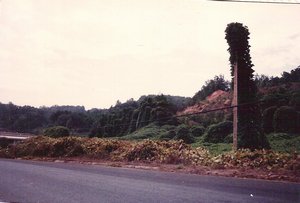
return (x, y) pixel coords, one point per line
(249, 126)
(57, 131)
(183, 133)
(267, 119)
(285, 120)
(149, 151)
(279, 142)
(286, 78)
(197, 131)
(295, 100)
(152, 117)
(166, 132)
(283, 142)
(151, 131)
(210, 86)
(217, 132)
(213, 148)
(4, 142)
(218, 148)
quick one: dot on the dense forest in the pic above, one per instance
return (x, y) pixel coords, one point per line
(118, 120)
(281, 98)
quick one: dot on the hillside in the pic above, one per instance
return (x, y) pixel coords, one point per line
(217, 99)
(222, 99)
(164, 112)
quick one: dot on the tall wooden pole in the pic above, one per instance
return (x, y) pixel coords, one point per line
(235, 109)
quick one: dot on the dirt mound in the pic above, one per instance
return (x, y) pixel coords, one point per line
(217, 99)
(220, 98)
(215, 95)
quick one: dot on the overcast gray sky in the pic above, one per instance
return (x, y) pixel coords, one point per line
(94, 52)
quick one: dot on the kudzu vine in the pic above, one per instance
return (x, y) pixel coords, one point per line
(249, 126)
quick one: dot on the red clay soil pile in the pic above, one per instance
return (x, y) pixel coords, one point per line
(217, 99)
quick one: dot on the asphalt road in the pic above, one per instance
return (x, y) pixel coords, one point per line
(29, 181)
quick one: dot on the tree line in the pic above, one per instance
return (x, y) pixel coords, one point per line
(118, 120)
(127, 117)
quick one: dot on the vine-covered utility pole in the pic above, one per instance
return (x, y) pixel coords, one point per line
(247, 125)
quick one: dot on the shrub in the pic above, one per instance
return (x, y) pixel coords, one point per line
(285, 119)
(168, 127)
(146, 151)
(298, 122)
(274, 99)
(4, 142)
(228, 138)
(217, 132)
(197, 131)
(168, 152)
(57, 131)
(34, 146)
(150, 131)
(168, 135)
(246, 158)
(67, 146)
(183, 133)
(295, 101)
(284, 142)
(267, 119)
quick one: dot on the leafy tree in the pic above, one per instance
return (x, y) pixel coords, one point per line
(267, 121)
(210, 86)
(183, 133)
(261, 80)
(177, 102)
(75, 121)
(285, 78)
(295, 100)
(116, 121)
(250, 133)
(60, 117)
(274, 99)
(217, 132)
(197, 131)
(21, 118)
(294, 76)
(155, 109)
(285, 119)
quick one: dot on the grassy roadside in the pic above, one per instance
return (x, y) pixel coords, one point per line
(279, 142)
(283, 142)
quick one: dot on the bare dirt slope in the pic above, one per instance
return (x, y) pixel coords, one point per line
(217, 99)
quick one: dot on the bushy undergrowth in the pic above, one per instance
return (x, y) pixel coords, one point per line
(197, 131)
(217, 132)
(165, 132)
(148, 132)
(284, 142)
(183, 133)
(4, 142)
(285, 120)
(57, 131)
(116, 150)
(265, 159)
(169, 152)
(267, 119)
